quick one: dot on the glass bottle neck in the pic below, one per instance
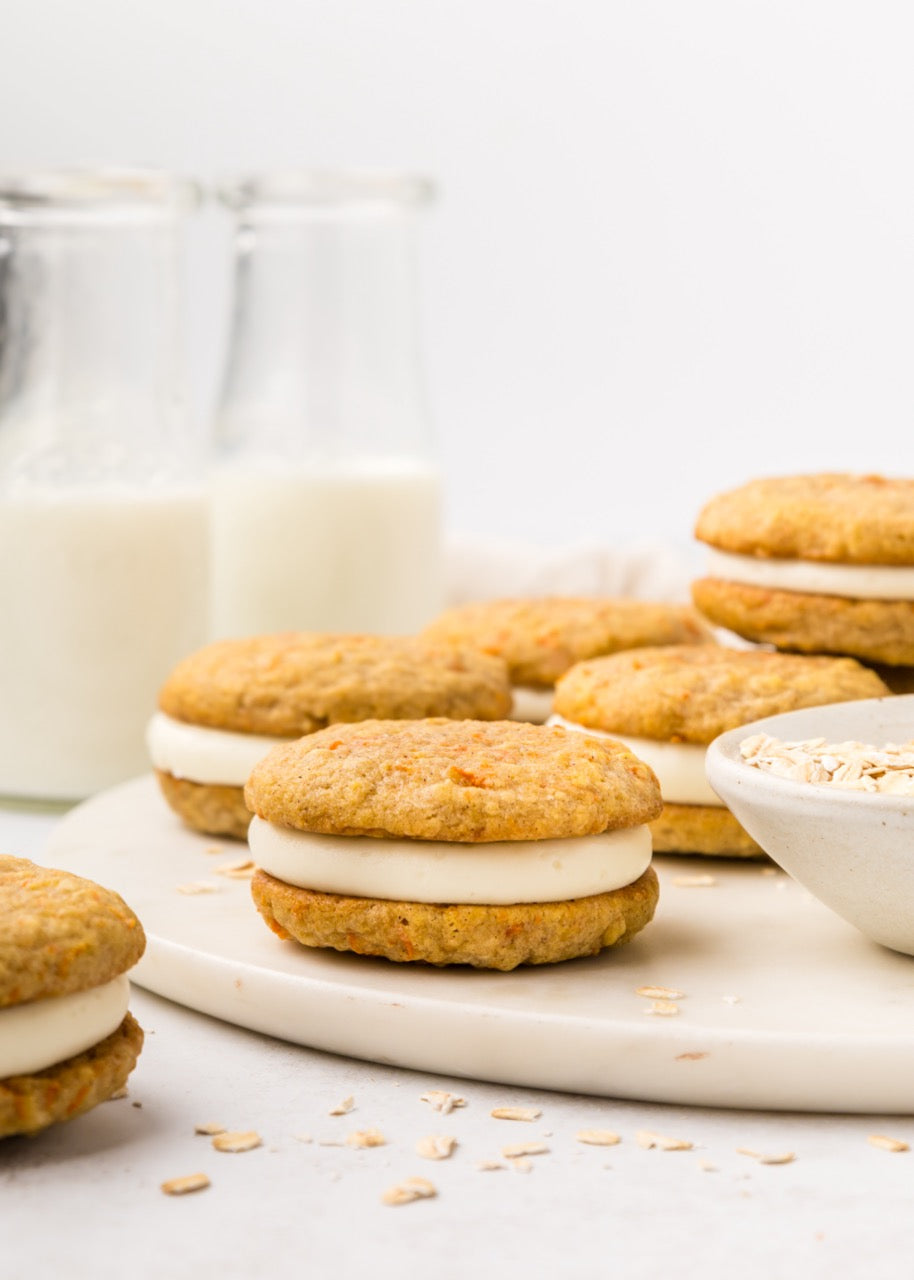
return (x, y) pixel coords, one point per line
(90, 359)
(324, 359)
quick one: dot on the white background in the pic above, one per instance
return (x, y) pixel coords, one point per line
(674, 245)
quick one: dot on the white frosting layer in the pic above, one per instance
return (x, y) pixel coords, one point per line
(854, 581)
(212, 756)
(41, 1033)
(679, 766)
(534, 705)
(442, 872)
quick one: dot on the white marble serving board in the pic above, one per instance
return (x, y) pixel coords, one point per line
(784, 1007)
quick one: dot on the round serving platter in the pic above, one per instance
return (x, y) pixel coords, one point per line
(782, 1005)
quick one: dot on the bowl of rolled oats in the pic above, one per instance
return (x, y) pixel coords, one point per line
(828, 793)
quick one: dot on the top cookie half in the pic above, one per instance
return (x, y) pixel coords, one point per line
(541, 637)
(843, 519)
(464, 781)
(60, 933)
(297, 682)
(691, 695)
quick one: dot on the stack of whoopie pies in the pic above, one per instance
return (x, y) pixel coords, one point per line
(817, 566)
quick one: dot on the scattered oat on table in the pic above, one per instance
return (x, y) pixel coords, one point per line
(732, 999)
(694, 1056)
(597, 1137)
(303, 1137)
(441, 1100)
(342, 1108)
(652, 992)
(409, 1190)
(515, 1113)
(646, 1139)
(784, 1157)
(694, 881)
(117, 1095)
(209, 1130)
(706, 1166)
(436, 1146)
(184, 1186)
(887, 1144)
(238, 869)
(521, 1164)
(490, 1166)
(662, 1009)
(238, 1141)
(197, 886)
(366, 1138)
(854, 766)
(524, 1149)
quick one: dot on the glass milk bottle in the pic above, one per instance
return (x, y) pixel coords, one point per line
(103, 551)
(325, 496)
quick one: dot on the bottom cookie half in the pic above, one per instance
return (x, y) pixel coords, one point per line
(29, 1103)
(706, 829)
(873, 630)
(214, 810)
(487, 937)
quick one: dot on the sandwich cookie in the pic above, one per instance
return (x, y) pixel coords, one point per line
(224, 707)
(67, 1041)
(815, 564)
(667, 704)
(450, 842)
(541, 637)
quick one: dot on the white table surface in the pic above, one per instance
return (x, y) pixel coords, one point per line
(83, 1199)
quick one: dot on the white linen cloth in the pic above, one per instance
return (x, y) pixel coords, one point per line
(477, 568)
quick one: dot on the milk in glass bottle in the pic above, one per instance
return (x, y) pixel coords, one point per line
(325, 494)
(103, 532)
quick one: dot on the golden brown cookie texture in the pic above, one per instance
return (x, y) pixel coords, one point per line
(491, 937)
(295, 683)
(31, 1102)
(692, 694)
(60, 933)
(873, 630)
(208, 807)
(710, 830)
(541, 637)
(449, 780)
(836, 518)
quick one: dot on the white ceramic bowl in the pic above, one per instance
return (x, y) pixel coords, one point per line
(854, 851)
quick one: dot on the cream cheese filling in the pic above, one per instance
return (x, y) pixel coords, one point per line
(210, 756)
(41, 1033)
(497, 874)
(854, 581)
(679, 766)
